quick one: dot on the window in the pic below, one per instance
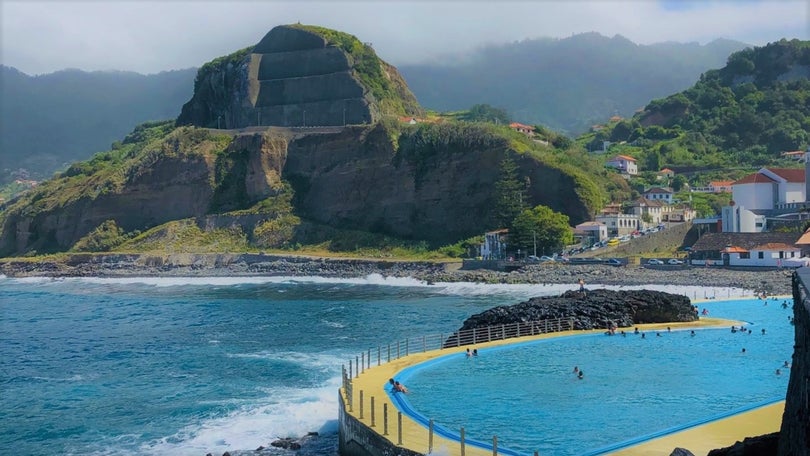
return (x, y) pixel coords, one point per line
(761, 255)
(745, 255)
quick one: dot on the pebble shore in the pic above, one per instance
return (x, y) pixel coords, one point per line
(768, 280)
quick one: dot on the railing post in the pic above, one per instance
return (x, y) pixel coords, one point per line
(441, 341)
(407, 341)
(536, 453)
(397, 349)
(389, 353)
(385, 418)
(475, 336)
(518, 329)
(361, 404)
(424, 344)
(494, 445)
(356, 366)
(372, 411)
(368, 360)
(350, 369)
(458, 339)
(545, 323)
(430, 436)
(489, 333)
(399, 428)
(503, 331)
(461, 441)
(363, 363)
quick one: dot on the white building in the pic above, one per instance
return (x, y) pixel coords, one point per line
(659, 194)
(654, 209)
(769, 189)
(737, 219)
(494, 246)
(594, 231)
(772, 254)
(619, 224)
(624, 163)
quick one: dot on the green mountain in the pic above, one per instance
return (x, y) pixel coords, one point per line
(188, 188)
(52, 120)
(744, 114)
(565, 84)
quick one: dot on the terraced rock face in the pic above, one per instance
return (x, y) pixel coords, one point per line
(296, 77)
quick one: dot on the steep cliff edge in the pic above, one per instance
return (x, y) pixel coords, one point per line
(298, 76)
(372, 178)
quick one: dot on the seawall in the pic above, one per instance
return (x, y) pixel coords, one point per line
(794, 436)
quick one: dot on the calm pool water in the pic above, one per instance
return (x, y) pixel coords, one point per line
(632, 389)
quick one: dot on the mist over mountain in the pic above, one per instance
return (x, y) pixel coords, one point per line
(566, 84)
(54, 119)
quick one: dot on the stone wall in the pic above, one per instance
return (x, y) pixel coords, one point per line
(794, 436)
(356, 439)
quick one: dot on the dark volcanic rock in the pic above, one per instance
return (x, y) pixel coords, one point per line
(751, 446)
(681, 452)
(592, 309)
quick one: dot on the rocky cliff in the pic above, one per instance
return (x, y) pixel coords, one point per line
(298, 76)
(368, 178)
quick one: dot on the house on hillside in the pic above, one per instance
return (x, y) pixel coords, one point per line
(665, 174)
(619, 224)
(797, 155)
(679, 213)
(409, 120)
(652, 210)
(720, 186)
(527, 130)
(746, 249)
(663, 194)
(625, 164)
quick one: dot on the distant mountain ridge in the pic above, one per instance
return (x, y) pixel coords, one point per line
(51, 120)
(566, 84)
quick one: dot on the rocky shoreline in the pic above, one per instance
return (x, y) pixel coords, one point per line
(770, 281)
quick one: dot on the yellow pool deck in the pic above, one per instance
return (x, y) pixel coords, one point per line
(699, 439)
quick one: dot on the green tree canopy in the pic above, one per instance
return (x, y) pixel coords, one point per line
(486, 113)
(510, 194)
(548, 230)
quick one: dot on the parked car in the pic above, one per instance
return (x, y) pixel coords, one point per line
(674, 261)
(533, 259)
(613, 242)
(613, 262)
(655, 262)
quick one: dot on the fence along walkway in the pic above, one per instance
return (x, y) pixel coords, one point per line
(410, 346)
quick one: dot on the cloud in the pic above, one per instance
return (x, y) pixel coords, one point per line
(152, 36)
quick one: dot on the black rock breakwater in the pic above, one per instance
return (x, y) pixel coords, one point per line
(593, 309)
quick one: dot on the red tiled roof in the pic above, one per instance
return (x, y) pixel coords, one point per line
(789, 174)
(520, 125)
(734, 249)
(665, 170)
(720, 183)
(623, 157)
(755, 178)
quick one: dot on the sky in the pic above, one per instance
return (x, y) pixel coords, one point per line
(40, 37)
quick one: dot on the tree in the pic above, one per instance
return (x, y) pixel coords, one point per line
(678, 183)
(486, 113)
(510, 194)
(548, 230)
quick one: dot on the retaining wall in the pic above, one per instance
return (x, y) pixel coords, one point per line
(794, 436)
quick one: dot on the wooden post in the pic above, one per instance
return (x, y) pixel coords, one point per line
(461, 441)
(385, 418)
(372, 411)
(363, 363)
(430, 436)
(361, 404)
(399, 428)
(494, 444)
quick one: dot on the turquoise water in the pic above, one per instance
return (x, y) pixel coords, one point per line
(633, 387)
(191, 366)
(173, 366)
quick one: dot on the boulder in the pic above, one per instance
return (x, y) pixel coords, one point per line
(592, 309)
(751, 446)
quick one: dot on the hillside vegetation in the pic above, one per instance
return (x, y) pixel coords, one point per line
(741, 116)
(52, 120)
(565, 84)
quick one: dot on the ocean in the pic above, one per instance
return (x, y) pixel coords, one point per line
(190, 366)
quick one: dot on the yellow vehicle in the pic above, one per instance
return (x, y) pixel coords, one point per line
(613, 242)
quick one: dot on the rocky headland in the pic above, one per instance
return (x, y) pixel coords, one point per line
(592, 309)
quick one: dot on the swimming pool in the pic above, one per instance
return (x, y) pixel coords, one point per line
(633, 388)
